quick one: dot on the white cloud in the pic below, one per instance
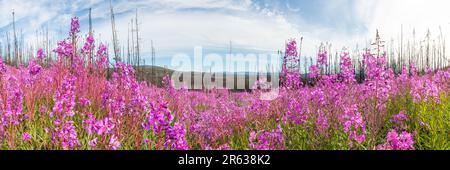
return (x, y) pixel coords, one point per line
(176, 29)
(389, 16)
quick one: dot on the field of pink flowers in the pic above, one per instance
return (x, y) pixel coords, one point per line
(71, 104)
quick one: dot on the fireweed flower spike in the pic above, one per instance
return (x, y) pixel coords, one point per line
(264, 140)
(26, 137)
(354, 124)
(395, 141)
(314, 71)
(65, 97)
(2, 66)
(74, 26)
(102, 57)
(93, 143)
(114, 143)
(66, 135)
(399, 118)
(290, 77)
(64, 49)
(84, 102)
(40, 54)
(322, 58)
(88, 45)
(34, 68)
(12, 112)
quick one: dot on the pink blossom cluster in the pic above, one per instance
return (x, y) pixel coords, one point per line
(395, 141)
(88, 45)
(354, 125)
(267, 140)
(65, 98)
(65, 134)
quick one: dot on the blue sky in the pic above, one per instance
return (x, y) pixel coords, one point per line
(253, 26)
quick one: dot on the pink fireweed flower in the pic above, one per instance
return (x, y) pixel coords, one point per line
(176, 138)
(57, 122)
(26, 137)
(213, 125)
(314, 71)
(34, 68)
(65, 97)
(321, 121)
(422, 90)
(14, 102)
(413, 69)
(100, 127)
(322, 58)
(318, 96)
(264, 140)
(378, 83)
(395, 141)
(159, 120)
(89, 124)
(40, 54)
(43, 109)
(290, 77)
(146, 141)
(442, 79)
(291, 48)
(168, 82)
(74, 26)
(64, 49)
(139, 101)
(296, 113)
(102, 57)
(93, 143)
(347, 72)
(105, 126)
(2, 65)
(292, 80)
(66, 135)
(225, 146)
(84, 102)
(102, 51)
(431, 90)
(399, 118)
(114, 142)
(259, 107)
(404, 76)
(88, 45)
(123, 74)
(354, 124)
(112, 100)
(78, 65)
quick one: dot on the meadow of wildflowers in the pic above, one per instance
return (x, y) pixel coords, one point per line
(72, 103)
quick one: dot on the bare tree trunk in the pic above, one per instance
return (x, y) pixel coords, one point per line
(90, 62)
(153, 62)
(133, 54)
(114, 34)
(15, 41)
(21, 47)
(128, 46)
(8, 55)
(137, 43)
